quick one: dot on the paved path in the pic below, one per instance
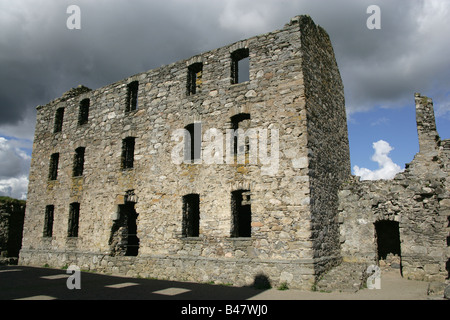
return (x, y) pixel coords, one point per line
(393, 287)
(18, 282)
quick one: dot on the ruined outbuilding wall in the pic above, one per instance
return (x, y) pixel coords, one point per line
(294, 87)
(11, 226)
(417, 199)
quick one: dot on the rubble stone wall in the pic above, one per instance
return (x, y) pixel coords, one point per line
(417, 199)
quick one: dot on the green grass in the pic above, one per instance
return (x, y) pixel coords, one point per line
(9, 200)
(283, 286)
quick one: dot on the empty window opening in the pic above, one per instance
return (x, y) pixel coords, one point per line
(448, 236)
(78, 162)
(59, 118)
(240, 66)
(74, 216)
(192, 142)
(132, 96)
(53, 168)
(240, 121)
(194, 79)
(241, 214)
(124, 240)
(48, 220)
(128, 153)
(191, 215)
(388, 242)
(83, 114)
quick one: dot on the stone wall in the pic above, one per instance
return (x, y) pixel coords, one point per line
(229, 271)
(11, 226)
(328, 149)
(416, 202)
(294, 92)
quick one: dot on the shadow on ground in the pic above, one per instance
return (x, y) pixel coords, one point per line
(19, 282)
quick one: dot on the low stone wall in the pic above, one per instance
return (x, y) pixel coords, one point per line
(347, 277)
(420, 219)
(297, 274)
(416, 204)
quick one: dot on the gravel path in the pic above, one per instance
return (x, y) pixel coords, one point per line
(393, 287)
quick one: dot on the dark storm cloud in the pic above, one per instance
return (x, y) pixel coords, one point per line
(41, 58)
(385, 67)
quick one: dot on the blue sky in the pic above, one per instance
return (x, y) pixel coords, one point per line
(40, 59)
(397, 126)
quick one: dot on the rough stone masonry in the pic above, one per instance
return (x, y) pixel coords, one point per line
(408, 216)
(106, 195)
(12, 214)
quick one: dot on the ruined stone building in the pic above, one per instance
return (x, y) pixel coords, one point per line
(106, 194)
(409, 216)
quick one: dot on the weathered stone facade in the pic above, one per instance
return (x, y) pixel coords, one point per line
(106, 194)
(294, 87)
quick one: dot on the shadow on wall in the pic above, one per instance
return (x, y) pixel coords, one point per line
(262, 282)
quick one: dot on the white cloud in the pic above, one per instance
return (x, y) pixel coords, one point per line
(443, 109)
(14, 167)
(16, 188)
(380, 121)
(244, 15)
(387, 168)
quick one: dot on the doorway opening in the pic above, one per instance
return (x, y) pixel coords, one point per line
(387, 234)
(124, 240)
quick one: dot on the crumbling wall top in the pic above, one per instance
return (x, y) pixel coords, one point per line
(426, 124)
(75, 92)
(68, 95)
